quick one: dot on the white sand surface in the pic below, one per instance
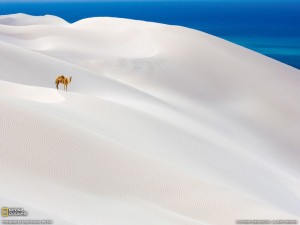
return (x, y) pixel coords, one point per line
(160, 125)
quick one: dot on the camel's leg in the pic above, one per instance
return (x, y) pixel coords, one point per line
(57, 86)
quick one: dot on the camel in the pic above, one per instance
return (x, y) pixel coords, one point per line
(65, 81)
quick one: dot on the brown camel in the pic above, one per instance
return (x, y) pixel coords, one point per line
(65, 81)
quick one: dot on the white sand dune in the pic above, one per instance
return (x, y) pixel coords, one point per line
(161, 125)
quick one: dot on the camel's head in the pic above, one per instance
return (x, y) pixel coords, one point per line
(70, 79)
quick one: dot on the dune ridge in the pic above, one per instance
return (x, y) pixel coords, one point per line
(161, 125)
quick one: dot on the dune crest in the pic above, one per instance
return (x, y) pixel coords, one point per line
(21, 19)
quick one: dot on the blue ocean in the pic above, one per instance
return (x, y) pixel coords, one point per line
(270, 27)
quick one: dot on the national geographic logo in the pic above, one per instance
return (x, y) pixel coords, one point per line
(6, 212)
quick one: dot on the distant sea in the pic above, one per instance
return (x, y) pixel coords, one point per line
(270, 27)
